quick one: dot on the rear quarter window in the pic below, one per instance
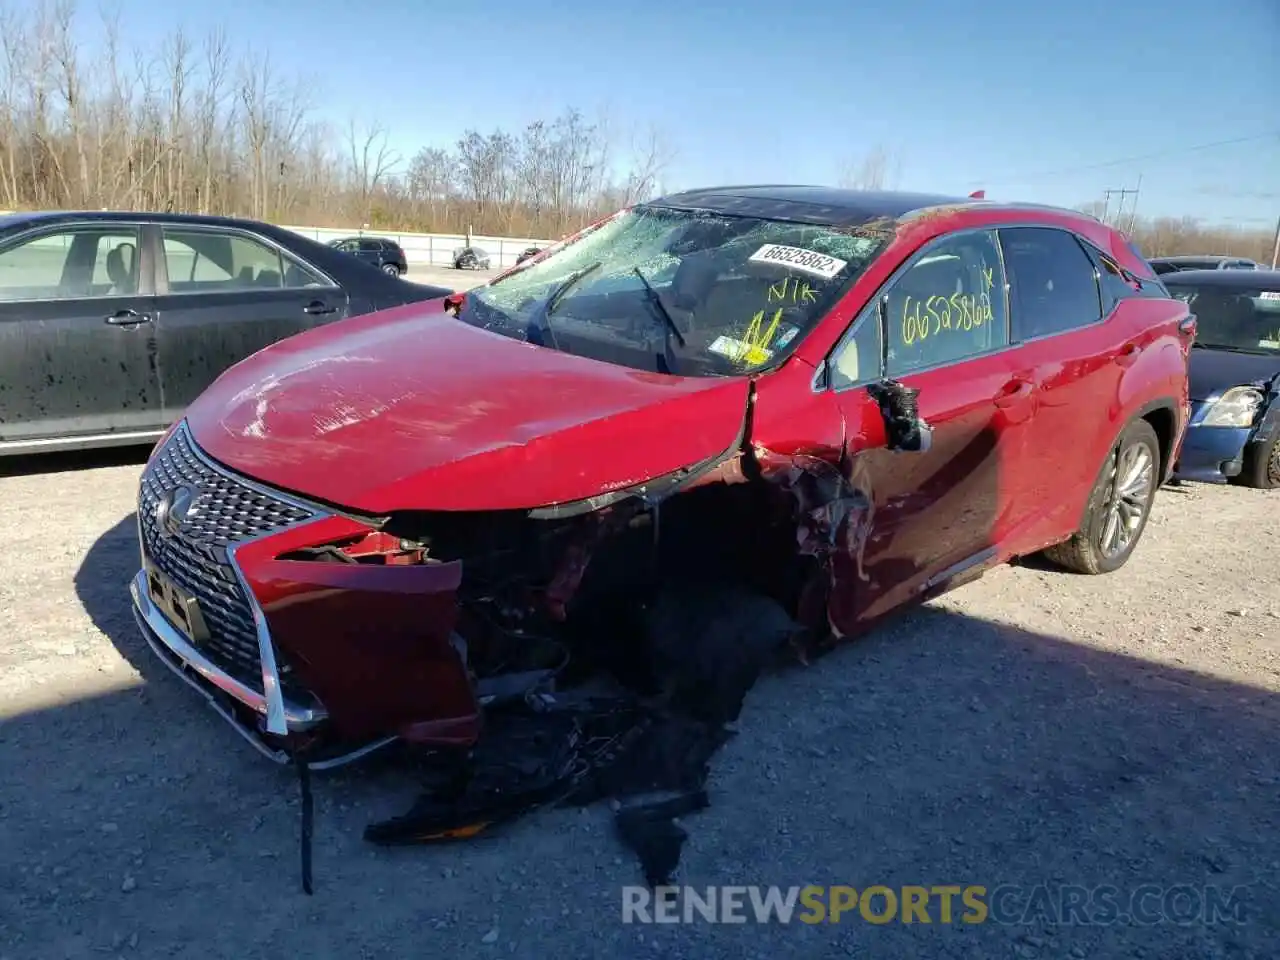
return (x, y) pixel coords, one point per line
(1053, 283)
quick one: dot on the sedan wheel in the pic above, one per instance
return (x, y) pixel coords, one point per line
(391, 270)
(1261, 466)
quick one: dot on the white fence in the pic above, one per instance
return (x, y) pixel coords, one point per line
(434, 249)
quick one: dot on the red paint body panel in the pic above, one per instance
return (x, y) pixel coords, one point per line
(372, 641)
(411, 409)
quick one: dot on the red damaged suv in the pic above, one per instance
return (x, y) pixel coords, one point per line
(841, 402)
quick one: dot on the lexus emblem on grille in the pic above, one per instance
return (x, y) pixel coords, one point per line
(174, 508)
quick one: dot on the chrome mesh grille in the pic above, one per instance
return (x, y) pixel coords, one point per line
(226, 512)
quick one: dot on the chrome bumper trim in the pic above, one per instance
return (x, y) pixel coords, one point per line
(290, 717)
(171, 660)
(277, 713)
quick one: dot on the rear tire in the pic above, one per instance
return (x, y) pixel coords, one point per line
(391, 270)
(1119, 505)
(1261, 466)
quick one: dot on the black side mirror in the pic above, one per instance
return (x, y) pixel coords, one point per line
(906, 431)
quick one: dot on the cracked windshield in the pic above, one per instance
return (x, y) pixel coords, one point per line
(676, 291)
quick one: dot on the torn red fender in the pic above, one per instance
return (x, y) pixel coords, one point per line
(833, 514)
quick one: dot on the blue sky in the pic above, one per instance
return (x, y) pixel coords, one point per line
(1052, 102)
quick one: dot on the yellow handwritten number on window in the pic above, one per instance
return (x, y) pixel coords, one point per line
(960, 312)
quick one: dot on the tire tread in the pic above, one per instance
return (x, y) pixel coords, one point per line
(1078, 553)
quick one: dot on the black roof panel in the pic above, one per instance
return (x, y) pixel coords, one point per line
(109, 216)
(822, 206)
(1203, 258)
(1265, 279)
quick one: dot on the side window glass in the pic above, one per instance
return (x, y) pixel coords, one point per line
(208, 261)
(857, 358)
(1053, 285)
(1114, 284)
(947, 306)
(86, 262)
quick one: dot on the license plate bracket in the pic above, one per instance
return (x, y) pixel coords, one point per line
(175, 604)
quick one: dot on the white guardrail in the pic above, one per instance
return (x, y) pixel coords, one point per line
(434, 249)
(420, 249)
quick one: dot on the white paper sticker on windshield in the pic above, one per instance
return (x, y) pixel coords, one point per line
(798, 258)
(786, 336)
(1269, 295)
(740, 351)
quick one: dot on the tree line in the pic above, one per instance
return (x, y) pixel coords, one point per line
(199, 124)
(880, 169)
(1183, 236)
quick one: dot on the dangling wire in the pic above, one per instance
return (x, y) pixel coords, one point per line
(304, 785)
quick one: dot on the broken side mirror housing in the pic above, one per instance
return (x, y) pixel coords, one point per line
(903, 426)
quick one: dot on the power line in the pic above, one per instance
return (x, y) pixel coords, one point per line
(1160, 155)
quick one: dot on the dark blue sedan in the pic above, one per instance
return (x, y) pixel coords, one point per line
(1234, 433)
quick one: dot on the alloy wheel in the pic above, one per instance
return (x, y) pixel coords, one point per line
(1128, 499)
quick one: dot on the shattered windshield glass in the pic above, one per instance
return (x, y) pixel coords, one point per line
(683, 292)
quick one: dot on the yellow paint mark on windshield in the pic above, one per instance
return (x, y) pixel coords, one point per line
(756, 340)
(790, 290)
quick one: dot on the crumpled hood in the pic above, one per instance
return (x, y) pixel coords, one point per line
(413, 409)
(1213, 371)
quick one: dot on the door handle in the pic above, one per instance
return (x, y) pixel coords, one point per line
(1014, 391)
(127, 318)
(317, 307)
(1128, 354)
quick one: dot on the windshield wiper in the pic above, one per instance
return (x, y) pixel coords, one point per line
(565, 286)
(544, 315)
(656, 299)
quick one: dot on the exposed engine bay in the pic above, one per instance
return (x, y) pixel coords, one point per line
(612, 643)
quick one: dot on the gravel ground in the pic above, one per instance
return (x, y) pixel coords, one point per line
(1034, 728)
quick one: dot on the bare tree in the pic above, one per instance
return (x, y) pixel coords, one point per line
(651, 156)
(879, 169)
(372, 160)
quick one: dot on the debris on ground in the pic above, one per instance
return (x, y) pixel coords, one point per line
(650, 755)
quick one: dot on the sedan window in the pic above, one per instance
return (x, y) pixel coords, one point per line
(210, 261)
(77, 263)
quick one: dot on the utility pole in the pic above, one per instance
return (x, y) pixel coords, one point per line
(1106, 201)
